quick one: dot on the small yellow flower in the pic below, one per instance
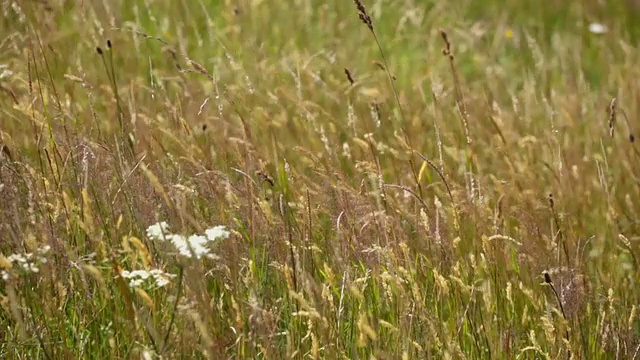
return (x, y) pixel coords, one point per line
(508, 34)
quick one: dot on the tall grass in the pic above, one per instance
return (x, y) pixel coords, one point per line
(253, 179)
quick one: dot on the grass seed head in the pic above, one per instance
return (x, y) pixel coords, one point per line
(362, 14)
(612, 116)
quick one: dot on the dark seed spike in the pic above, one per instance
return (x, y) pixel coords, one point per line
(5, 150)
(362, 14)
(109, 44)
(349, 77)
(99, 50)
(447, 45)
(547, 278)
(612, 115)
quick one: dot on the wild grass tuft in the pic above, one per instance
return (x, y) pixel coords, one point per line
(275, 180)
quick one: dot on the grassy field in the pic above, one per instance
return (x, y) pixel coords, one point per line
(396, 179)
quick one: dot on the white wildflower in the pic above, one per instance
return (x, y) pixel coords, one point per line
(598, 28)
(192, 246)
(195, 243)
(158, 231)
(146, 355)
(217, 232)
(26, 262)
(161, 281)
(138, 277)
(4, 71)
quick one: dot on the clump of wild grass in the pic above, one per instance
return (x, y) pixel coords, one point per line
(302, 223)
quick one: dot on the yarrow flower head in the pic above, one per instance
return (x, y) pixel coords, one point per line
(158, 230)
(27, 263)
(218, 232)
(191, 246)
(598, 28)
(4, 71)
(138, 277)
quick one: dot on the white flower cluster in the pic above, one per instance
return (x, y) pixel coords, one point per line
(138, 277)
(4, 71)
(194, 245)
(598, 28)
(26, 262)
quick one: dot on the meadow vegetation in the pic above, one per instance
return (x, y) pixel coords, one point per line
(385, 179)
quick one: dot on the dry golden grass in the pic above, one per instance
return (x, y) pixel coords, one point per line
(452, 180)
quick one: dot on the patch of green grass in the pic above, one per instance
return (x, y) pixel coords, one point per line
(409, 209)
